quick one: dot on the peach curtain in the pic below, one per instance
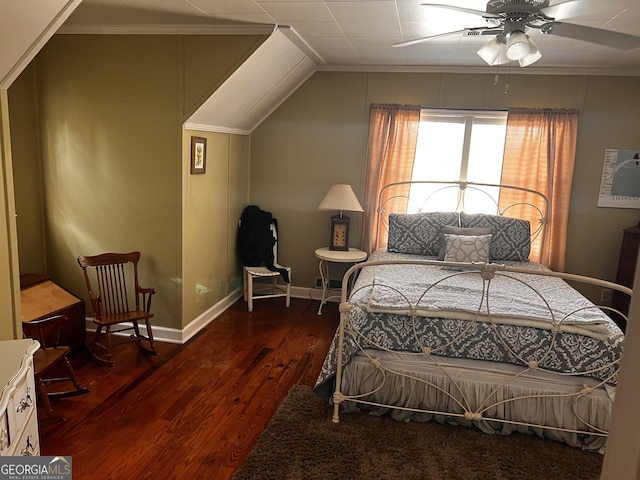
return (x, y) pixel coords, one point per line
(393, 133)
(539, 154)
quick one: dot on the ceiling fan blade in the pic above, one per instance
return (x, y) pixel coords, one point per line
(608, 38)
(424, 39)
(462, 9)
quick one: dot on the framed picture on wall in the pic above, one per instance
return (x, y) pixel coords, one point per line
(620, 183)
(198, 154)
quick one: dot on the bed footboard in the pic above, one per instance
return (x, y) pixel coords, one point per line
(501, 347)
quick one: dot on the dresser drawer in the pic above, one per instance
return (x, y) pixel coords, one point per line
(4, 433)
(28, 444)
(24, 403)
(18, 413)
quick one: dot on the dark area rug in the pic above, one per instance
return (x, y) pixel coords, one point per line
(301, 442)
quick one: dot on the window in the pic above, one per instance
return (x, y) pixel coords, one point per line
(456, 145)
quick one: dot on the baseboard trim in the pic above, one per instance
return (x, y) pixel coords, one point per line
(174, 335)
(205, 318)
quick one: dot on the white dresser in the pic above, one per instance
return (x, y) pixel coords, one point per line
(18, 413)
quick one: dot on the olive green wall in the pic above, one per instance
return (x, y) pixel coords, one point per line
(314, 139)
(27, 172)
(212, 204)
(9, 283)
(609, 111)
(318, 137)
(104, 117)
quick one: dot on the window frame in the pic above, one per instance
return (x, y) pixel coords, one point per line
(466, 118)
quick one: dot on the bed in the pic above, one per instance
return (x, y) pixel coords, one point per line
(451, 321)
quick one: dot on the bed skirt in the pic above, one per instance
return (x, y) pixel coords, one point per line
(495, 390)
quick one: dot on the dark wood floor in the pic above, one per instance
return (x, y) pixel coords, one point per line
(196, 410)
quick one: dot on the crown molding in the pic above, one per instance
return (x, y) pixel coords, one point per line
(613, 72)
(215, 129)
(257, 29)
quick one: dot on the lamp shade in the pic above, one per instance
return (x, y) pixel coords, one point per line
(340, 197)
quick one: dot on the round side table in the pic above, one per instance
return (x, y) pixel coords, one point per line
(327, 256)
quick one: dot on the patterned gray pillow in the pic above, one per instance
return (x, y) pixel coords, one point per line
(467, 248)
(418, 233)
(511, 237)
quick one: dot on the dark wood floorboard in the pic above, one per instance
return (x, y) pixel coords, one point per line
(196, 410)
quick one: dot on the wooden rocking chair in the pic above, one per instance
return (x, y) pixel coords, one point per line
(49, 358)
(113, 275)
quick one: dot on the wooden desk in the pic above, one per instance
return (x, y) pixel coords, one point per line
(42, 298)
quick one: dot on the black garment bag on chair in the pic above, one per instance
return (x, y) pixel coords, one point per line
(256, 241)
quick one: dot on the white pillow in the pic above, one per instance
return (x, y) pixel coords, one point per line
(467, 248)
(458, 231)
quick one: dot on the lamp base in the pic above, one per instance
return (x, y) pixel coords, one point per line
(339, 233)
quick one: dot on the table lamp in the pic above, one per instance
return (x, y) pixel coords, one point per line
(340, 197)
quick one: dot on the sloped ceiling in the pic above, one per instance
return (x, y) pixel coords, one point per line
(25, 27)
(273, 72)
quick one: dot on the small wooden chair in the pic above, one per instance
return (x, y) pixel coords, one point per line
(115, 278)
(49, 357)
(275, 289)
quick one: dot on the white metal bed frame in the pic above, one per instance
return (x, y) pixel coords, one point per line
(481, 411)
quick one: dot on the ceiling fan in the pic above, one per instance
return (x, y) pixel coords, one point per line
(510, 20)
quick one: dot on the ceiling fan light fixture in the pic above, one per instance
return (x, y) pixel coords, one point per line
(491, 51)
(494, 52)
(533, 56)
(518, 45)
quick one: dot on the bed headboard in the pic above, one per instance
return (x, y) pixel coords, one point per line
(464, 198)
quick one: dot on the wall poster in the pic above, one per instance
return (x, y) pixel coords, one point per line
(620, 183)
